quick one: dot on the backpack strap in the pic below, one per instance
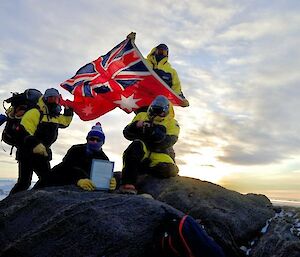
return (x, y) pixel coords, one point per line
(171, 244)
(41, 114)
(40, 111)
(186, 246)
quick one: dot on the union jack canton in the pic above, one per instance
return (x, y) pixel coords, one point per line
(121, 78)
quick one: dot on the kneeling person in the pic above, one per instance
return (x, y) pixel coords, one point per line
(76, 165)
(153, 134)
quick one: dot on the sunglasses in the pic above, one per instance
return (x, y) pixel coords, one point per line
(94, 139)
(157, 111)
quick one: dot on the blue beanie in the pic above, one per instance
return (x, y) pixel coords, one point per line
(97, 131)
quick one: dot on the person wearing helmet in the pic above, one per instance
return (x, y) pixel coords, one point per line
(153, 134)
(75, 167)
(39, 130)
(158, 60)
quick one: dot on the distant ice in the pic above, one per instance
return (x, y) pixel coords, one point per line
(285, 203)
(5, 187)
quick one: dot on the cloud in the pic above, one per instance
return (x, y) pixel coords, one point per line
(247, 132)
(266, 181)
(238, 64)
(247, 99)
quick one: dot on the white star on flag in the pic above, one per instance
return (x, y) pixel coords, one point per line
(87, 110)
(128, 103)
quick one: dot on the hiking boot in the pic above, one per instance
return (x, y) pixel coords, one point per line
(127, 189)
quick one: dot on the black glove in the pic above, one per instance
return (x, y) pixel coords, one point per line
(147, 128)
(132, 132)
(155, 133)
(159, 133)
(68, 111)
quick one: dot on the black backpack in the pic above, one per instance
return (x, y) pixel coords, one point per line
(19, 104)
(184, 237)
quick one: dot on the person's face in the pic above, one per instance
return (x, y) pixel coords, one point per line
(161, 52)
(53, 100)
(20, 110)
(94, 143)
(94, 139)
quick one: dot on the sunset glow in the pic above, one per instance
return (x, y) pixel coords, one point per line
(238, 63)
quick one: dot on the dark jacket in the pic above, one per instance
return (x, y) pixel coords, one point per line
(75, 165)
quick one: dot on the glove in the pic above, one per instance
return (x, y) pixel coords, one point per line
(185, 103)
(40, 149)
(147, 128)
(68, 111)
(86, 184)
(112, 184)
(131, 35)
(158, 134)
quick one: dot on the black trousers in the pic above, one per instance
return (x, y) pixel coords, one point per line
(61, 175)
(28, 164)
(134, 165)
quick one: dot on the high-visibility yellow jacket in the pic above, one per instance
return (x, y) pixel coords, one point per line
(39, 127)
(165, 71)
(158, 137)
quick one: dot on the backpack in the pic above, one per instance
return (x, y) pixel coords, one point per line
(184, 237)
(20, 103)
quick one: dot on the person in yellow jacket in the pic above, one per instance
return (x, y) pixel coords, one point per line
(158, 60)
(38, 131)
(153, 134)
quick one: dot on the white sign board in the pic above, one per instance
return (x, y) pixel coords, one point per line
(101, 173)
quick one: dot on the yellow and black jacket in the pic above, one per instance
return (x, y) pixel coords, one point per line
(165, 71)
(39, 127)
(159, 136)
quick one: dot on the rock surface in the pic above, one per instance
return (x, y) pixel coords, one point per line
(69, 222)
(282, 238)
(231, 218)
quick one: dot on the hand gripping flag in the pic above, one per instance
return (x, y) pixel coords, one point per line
(121, 78)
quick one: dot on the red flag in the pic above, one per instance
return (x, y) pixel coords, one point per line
(121, 78)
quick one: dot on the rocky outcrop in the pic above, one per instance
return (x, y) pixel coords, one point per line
(69, 222)
(229, 217)
(282, 238)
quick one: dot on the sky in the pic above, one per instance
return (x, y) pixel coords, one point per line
(238, 62)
